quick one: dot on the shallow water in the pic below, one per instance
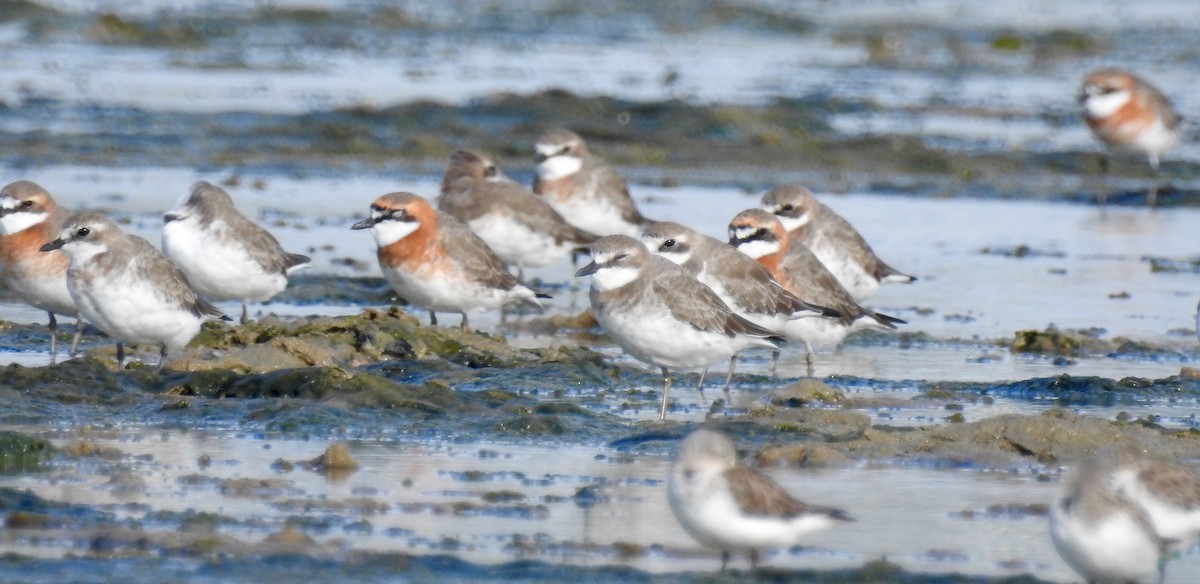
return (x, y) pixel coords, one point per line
(401, 495)
(927, 68)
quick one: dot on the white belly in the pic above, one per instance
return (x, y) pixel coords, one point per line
(218, 269)
(448, 293)
(133, 312)
(517, 245)
(658, 339)
(594, 216)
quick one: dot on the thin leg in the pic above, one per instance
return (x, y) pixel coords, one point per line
(724, 560)
(666, 391)
(79, 324)
(120, 356)
(728, 379)
(700, 387)
(809, 358)
(245, 314)
(1152, 198)
(1104, 167)
(464, 324)
(162, 357)
(774, 362)
(432, 318)
(753, 560)
(53, 326)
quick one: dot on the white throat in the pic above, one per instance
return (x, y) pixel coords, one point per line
(791, 224)
(20, 221)
(676, 258)
(1102, 106)
(80, 252)
(388, 232)
(557, 167)
(758, 248)
(612, 278)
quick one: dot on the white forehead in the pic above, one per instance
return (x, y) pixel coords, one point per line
(8, 202)
(744, 231)
(548, 148)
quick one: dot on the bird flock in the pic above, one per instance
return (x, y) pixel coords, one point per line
(790, 271)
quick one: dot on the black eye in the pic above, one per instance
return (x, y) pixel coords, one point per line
(83, 232)
(761, 232)
(562, 151)
(489, 171)
(668, 243)
(787, 208)
(620, 257)
(26, 204)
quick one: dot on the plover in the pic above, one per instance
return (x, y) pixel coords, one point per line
(761, 236)
(127, 288)
(225, 255)
(584, 188)
(741, 283)
(433, 261)
(522, 228)
(659, 314)
(1169, 493)
(734, 508)
(833, 240)
(1127, 113)
(1105, 536)
(29, 218)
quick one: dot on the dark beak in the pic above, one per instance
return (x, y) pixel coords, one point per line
(53, 245)
(588, 270)
(367, 223)
(540, 158)
(169, 217)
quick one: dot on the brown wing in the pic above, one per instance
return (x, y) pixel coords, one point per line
(263, 248)
(810, 280)
(693, 302)
(534, 212)
(763, 295)
(759, 495)
(472, 255)
(611, 186)
(150, 264)
(1177, 485)
(1158, 101)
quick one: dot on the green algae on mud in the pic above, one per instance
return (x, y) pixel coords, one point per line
(22, 453)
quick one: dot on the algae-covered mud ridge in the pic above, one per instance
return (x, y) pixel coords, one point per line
(371, 446)
(338, 436)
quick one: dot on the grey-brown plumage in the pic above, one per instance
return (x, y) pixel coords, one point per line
(838, 245)
(30, 218)
(1103, 534)
(522, 228)
(734, 508)
(225, 255)
(659, 314)
(585, 189)
(434, 261)
(127, 288)
(741, 282)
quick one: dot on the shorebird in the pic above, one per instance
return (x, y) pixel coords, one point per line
(225, 255)
(761, 236)
(127, 288)
(522, 228)
(1127, 113)
(733, 508)
(1104, 535)
(659, 314)
(433, 261)
(738, 280)
(584, 188)
(30, 218)
(833, 240)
